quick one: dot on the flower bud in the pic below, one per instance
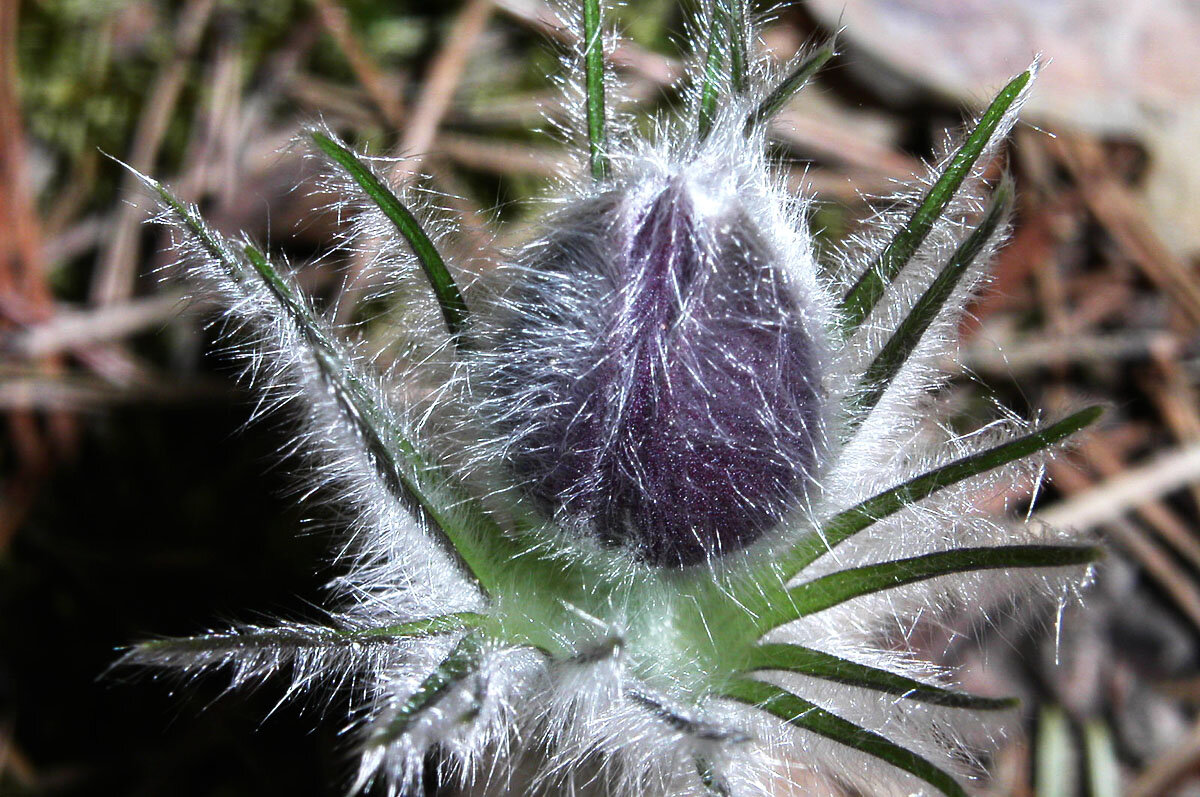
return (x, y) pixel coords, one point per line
(662, 388)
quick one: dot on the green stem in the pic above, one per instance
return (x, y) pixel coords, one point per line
(593, 61)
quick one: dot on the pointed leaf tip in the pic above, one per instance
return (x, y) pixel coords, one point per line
(861, 299)
(795, 80)
(445, 290)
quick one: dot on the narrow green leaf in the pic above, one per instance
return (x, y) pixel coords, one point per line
(790, 86)
(846, 524)
(904, 340)
(430, 626)
(456, 521)
(461, 662)
(837, 588)
(449, 298)
(308, 636)
(862, 298)
(397, 462)
(395, 459)
(332, 361)
(804, 715)
(734, 12)
(818, 664)
(717, 30)
(593, 66)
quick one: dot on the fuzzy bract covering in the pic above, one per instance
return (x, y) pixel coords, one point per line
(661, 511)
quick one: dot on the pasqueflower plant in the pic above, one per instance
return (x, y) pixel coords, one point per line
(648, 507)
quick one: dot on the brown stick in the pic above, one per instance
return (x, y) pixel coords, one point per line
(378, 86)
(116, 272)
(443, 78)
(25, 296)
(1115, 208)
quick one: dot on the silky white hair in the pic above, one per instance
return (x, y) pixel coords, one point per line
(605, 716)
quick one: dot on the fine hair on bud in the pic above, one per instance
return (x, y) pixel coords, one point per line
(641, 509)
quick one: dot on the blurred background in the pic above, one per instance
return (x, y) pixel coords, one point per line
(135, 500)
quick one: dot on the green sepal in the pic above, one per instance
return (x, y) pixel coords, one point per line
(807, 716)
(846, 524)
(904, 340)
(445, 290)
(837, 588)
(593, 69)
(870, 287)
(796, 80)
(463, 660)
(818, 664)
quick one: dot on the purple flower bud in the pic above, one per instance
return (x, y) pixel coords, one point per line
(660, 387)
